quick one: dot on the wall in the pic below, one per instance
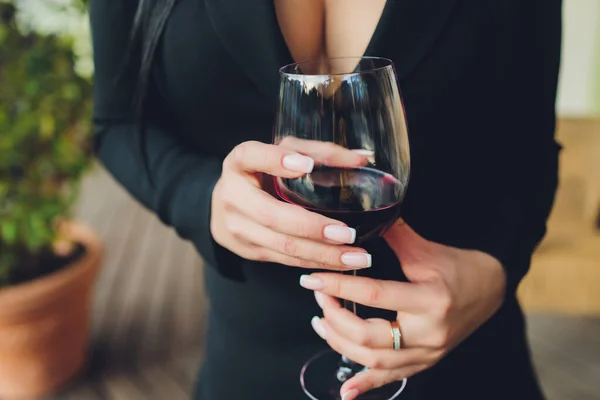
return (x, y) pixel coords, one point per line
(579, 88)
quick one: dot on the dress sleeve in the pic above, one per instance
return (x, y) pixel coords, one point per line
(519, 154)
(174, 182)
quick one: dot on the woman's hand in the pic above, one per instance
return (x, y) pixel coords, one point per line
(253, 224)
(451, 293)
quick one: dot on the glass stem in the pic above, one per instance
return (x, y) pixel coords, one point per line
(350, 305)
(348, 368)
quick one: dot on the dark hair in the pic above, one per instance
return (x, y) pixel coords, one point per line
(150, 19)
(149, 22)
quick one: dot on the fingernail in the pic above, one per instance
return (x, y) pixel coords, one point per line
(320, 299)
(363, 152)
(318, 327)
(357, 260)
(296, 162)
(310, 282)
(342, 234)
(350, 394)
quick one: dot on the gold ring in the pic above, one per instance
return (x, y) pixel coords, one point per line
(396, 335)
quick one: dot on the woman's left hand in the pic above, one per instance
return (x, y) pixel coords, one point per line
(450, 294)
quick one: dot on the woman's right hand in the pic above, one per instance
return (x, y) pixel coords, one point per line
(254, 225)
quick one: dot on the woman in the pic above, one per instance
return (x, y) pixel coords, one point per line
(478, 80)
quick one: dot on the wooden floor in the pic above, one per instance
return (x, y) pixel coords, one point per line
(565, 274)
(149, 306)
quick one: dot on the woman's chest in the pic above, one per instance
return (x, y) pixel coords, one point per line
(219, 59)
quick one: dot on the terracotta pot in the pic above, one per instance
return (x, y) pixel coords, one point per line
(45, 324)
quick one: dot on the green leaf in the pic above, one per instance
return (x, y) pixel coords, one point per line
(32, 87)
(4, 188)
(9, 232)
(71, 91)
(47, 126)
(45, 118)
(36, 232)
(3, 33)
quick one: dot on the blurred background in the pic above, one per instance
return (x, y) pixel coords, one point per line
(148, 304)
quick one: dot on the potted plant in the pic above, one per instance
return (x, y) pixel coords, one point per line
(48, 262)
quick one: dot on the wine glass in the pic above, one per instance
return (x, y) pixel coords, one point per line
(353, 102)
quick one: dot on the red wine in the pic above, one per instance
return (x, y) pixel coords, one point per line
(365, 199)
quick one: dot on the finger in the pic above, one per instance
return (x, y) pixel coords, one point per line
(252, 252)
(404, 241)
(328, 256)
(255, 253)
(266, 255)
(417, 330)
(371, 358)
(328, 153)
(254, 156)
(372, 379)
(389, 295)
(292, 220)
(372, 333)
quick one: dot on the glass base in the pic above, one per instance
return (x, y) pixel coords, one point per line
(320, 382)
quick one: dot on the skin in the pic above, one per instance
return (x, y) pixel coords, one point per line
(451, 292)
(249, 221)
(349, 26)
(329, 28)
(302, 26)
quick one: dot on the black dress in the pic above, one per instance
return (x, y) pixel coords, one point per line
(478, 78)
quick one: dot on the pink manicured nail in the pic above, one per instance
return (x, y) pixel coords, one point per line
(318, 327)
(341, 234)
(310, 282)
(350, 394)
(357, 260)
(320, 299)
(298, 163)
(363, 152)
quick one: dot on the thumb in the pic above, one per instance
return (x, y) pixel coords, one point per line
(404, 241)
